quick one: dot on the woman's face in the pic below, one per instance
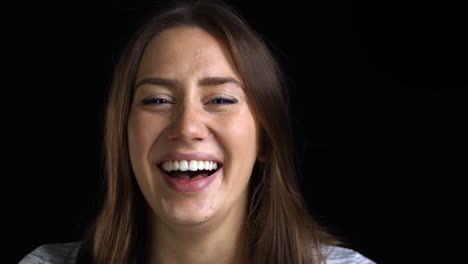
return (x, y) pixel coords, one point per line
(190, 113)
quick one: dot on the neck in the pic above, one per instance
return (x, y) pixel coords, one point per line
(213, 241)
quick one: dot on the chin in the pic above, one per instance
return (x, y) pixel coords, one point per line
(188, 211)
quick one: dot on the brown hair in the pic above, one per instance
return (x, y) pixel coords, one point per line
(279, 228)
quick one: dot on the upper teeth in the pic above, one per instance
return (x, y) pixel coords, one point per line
(192, 165)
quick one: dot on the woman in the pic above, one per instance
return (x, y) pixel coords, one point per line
(199, 165)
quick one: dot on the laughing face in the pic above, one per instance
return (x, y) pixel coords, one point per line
(193, 139)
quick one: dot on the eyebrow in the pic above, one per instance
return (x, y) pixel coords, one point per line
(208, 81)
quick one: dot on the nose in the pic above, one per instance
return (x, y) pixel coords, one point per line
(187, 125)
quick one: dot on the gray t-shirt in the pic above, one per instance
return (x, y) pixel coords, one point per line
(67, 253)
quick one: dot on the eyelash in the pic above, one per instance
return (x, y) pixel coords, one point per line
(154, 101)
(224, 100)
(218, 100)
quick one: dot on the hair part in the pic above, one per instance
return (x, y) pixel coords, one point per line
(279, 228)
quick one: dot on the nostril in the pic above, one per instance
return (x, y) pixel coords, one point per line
(188, 128)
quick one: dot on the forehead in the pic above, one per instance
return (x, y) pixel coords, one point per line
(186, 50)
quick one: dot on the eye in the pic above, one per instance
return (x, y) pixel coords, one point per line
(223, 100)
(149, 101)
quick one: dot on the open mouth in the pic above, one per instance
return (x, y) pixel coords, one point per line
(189, 170)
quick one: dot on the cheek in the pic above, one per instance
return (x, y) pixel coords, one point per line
(141, 136)
(240, 135)
(247, 131)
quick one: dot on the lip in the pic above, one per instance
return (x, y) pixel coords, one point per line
(189, 187)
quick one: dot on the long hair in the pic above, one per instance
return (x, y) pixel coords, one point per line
(279, 228)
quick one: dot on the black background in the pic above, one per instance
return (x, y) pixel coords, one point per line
(379, 95)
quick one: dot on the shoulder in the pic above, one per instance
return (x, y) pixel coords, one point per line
(341, 255)
(53, 254)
